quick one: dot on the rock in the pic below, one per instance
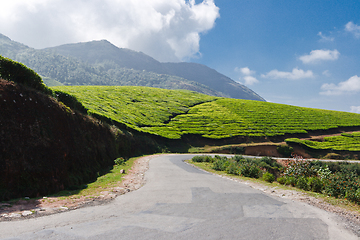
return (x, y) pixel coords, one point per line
(26, 213)
(14, 215)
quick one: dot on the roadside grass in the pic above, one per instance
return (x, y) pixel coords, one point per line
(337, 202)
(111, 179)
(92, 190)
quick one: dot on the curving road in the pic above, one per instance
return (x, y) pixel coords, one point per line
(182, 202)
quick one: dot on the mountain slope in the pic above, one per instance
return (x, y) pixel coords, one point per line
(103, 51)
(102, 63)
(212, 79)
(58, 69)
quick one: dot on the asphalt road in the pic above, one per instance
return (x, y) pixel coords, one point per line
(182, 202)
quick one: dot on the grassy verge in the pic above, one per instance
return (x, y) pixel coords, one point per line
(110, 180)
(92, 190)
(337, 202)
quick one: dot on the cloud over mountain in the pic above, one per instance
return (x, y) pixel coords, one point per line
(247, 76)
(168, 30)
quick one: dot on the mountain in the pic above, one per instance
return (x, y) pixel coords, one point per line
(102, 63)
(103, 51)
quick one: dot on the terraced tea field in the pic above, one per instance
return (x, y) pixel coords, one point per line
(345, 142)
(174, 113)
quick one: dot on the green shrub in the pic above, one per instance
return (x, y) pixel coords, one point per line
(285, 150)
(302, 183)
(335, 185)
(315, 184)
(281, 180)
(203, 159)
(233, 168)
(239, 158)
(198, 159)
(324, 172)
(270, 165)
(19, 73)
(208, 159)
(220, 163)
(119, 161)
(300, 168)
(249, 170)
(70, 101)
(353, 195)
(290, 181)
(268, 177)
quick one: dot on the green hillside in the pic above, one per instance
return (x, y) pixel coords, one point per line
(345, 142)
(174, 113)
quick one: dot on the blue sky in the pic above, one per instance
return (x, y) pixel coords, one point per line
(304, 53)
(260, 36)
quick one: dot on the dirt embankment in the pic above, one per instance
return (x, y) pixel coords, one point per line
(45, 146)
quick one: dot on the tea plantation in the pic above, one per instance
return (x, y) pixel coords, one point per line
(173, 113)
(345, 142)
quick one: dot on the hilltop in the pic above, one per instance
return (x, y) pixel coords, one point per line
(177, 113)
(102, 63)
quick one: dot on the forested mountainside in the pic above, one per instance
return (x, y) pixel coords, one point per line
(102, 63)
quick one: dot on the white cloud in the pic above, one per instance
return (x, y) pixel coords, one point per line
(245, 71)
(326, 73)
(250, 80)
(352, 85)
(294, 75)
(355, 109)
(168, 30)
(353, 28)
(325, 38)
(318, 55)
